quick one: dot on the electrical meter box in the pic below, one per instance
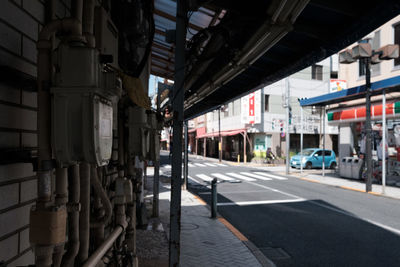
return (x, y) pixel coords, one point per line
(82, 107)
(139, 139)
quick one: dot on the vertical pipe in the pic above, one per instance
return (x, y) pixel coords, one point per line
(205, 147)
(323, 142)
(301, 138)
(287, 125)
(185, 159)
(84, 219)
(156, 177)
(73, 217)
(219, 136)
(368, 130)
(61, 199)
(178, 96)
(383, 141)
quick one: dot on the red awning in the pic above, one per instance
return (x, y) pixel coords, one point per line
(223, 133)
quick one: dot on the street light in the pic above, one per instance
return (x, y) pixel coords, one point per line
(364, 52)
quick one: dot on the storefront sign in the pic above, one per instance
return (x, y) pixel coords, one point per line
(337, 85)
(251, 108)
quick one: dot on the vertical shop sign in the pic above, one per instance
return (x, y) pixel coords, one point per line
(251, 108)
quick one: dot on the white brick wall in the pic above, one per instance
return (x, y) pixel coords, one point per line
(20, 23)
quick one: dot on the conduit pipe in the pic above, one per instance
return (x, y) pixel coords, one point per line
(61, 200)
(88, 22)
(84, 219)
(105, 201)
(108, 242)
(73, 217)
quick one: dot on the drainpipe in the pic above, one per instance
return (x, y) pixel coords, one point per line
(73, 216)
(61, 200)
(84, 218)
(88, 22)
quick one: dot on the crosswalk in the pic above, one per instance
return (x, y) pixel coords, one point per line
(245, 176)
(192, 165)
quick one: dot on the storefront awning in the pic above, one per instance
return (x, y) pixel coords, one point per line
(391, 84)
(223, 133)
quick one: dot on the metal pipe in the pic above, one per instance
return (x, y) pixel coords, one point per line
(185, 157)
(287, 136)
(108, 242)
(84, 220)
(61, 199)
(78, 8)
(88, 22)
(323, 142)
(178, 96)
(368, 130)
(105, 201)
(214, 198)
(73, 217)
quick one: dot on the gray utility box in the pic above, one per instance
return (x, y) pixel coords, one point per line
(139, 139)
(345, 167)
(82, 113)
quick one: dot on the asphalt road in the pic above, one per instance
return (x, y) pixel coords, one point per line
(299, 223)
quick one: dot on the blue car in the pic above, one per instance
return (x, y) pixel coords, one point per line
(312, 158)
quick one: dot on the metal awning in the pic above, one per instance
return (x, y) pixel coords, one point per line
(223, 133)
(293, 35)
(391, 84)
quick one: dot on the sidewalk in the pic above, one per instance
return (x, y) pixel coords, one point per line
(206, 241)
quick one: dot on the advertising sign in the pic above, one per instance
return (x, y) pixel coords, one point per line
(337, 85)
(251, 108)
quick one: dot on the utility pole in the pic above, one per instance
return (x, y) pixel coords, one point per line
(368, 130)
(219, 135)
(287, 136)
(301, 139)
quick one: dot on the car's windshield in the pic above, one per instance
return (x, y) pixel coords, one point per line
(307, 152)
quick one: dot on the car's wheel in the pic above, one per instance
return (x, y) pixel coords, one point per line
(309, 165)
(333, 165)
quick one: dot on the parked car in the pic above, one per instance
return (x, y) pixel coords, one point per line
(312, 158)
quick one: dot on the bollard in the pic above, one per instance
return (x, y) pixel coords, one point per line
(214, 198)
(238, 158)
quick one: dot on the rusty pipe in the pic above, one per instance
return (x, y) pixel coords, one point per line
(84, 219)
(73, 217)
(99, 191)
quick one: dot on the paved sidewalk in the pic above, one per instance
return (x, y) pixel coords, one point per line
(205, 241)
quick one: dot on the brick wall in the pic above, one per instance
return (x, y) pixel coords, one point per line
(20, 24)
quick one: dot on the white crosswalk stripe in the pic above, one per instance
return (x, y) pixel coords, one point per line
(256, 176)
(204, 177)
(271, 176)
(222, 176)
(199, 165)
(236, 175)
(220, 164)
(210, 164)
(191, 165)
(167, 166)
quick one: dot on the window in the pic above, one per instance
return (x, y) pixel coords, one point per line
(266, 103)
(327, 153)
(397, 41)
(316, 72)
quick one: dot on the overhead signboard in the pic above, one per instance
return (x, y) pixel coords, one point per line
(251, 108)
(337, 85)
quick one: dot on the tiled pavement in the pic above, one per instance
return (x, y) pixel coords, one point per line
(207, 242)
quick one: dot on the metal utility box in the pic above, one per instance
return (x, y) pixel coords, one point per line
(139, 139)
(82, 113)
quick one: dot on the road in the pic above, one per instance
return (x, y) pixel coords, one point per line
(299, 223)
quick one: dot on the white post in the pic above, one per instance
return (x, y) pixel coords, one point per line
(301, 140)
(287, 126)
(383, 142)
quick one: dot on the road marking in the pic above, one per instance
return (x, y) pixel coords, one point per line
(260, 202)
(310, 180)
(210, 164)
(233, 192)
(353, 189)
(222, 176)
(199, 164)
(167, 166)
(191, 165)
(275, 190)
(236, 175)
(386, 227)
(256, 176)
(220, 164)
(235, 231)
(204, 177)
(271, 176)
(202, 202)
(192, 178)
